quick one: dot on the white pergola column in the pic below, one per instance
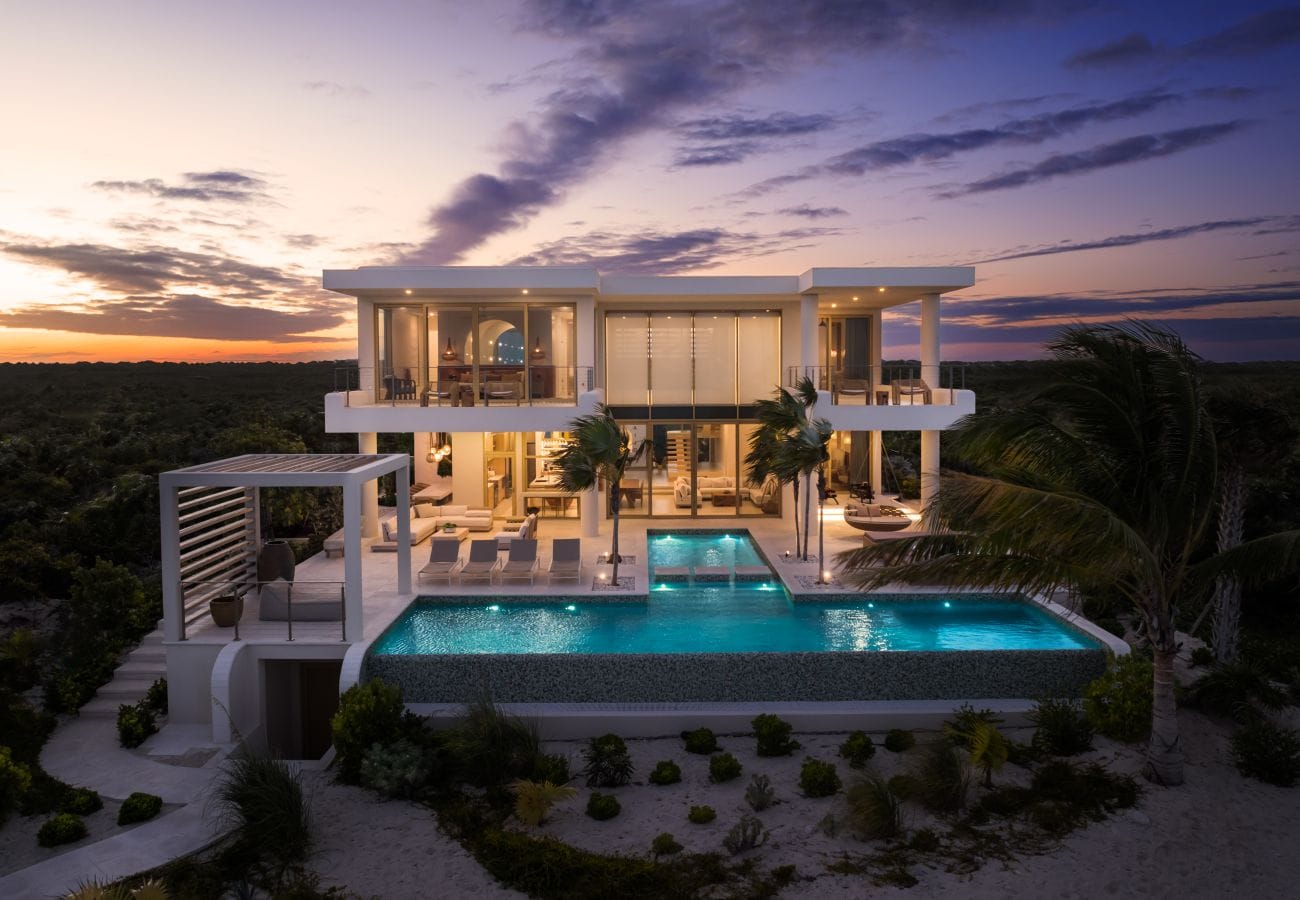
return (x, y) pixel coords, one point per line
(352, 503)
(368, 442)
(808, 355)
(876, 453)
(930, 374)
(403, 476)
(589, 510)
(173, 604)
(585, 323)
(875, 354)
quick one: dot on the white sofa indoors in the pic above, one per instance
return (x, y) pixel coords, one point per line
(707, 485)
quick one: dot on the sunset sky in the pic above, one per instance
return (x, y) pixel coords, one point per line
(175, 175)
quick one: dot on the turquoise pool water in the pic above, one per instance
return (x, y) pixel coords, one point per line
(724, 618)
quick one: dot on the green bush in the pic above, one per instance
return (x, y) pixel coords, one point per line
(1118, 704)
(701, 815)
(399, 770)
(924, 841)
(875, 811)
(1202, 656)
(262, 802)
(82, 802)
(139, 807)
(607, 762)
(899, 740)
(773, 735)
(489, 747)
(723, 767)
(369, 713)
(858, 748)
(15, 779)
(965, 723)
(665, 844)
(603, 806)
(746, 834)
(939, 777)
(534, 799)
(665, 772)
(156, 697)
(1061, 728)
(552, 767)
(62, 829)
(759, 793)
(1066, 796)
(1265, 751)
(817, 778)
(1237, 690)
(135, 722)
(701, 741)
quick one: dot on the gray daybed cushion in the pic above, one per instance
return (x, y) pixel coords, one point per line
(311, 603)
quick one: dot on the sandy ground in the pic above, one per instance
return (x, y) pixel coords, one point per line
(1219, 835)
(19, 848)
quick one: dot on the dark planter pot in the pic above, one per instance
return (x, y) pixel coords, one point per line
(226, 611)
(275, 561)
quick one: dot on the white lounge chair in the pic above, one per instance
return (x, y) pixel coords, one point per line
(522, 562)
(444, 559)
(482, 563)
(523, 531)
(566, 559)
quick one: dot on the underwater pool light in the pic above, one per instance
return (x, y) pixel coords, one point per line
(494, 607)
(946, 605)
(571, 608)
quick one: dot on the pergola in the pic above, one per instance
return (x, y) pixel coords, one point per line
(211, 529)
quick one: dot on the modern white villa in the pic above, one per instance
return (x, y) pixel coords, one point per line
(485, 367)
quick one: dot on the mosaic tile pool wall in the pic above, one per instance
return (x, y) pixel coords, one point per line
(739, 677)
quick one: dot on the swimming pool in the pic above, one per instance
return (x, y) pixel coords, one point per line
(719, 641)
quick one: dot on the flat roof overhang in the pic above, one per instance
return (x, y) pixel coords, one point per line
(286, 470)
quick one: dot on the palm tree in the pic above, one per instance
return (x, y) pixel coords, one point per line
(1105, 480)
(789, 444)
(599, 448)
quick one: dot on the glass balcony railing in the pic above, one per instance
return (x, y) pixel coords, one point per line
(884, 385)
(464, 385)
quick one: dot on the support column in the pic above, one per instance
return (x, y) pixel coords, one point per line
(929, 467)
(368, 442)
(173, 601)
(589, 510)
(930, 340)
(585, 323)
(808, 355)
(352, 511)
(877, 453)
(403, 476)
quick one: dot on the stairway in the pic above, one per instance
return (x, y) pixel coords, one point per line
(143, 666)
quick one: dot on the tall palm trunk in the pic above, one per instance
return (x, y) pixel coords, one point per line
(798, 550)
(614, 507)
(1227, 589)
(1165, 749)
(807, 504)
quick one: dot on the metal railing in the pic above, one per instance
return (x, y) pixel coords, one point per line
(198, 595)
(464, 385)
(884, 385)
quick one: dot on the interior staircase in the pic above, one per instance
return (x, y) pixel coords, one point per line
(143, 666)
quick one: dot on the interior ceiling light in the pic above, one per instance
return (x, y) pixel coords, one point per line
(408, 292)
(537, 352)
(881, 290)
(855, 299)
(525, 290)
(450, 354)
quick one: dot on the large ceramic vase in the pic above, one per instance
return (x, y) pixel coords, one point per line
(275, 561)
(227, 610)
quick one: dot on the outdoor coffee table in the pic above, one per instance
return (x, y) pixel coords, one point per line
(459, 534)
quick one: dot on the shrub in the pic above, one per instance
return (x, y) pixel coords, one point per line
(773, 735)
(1090, 790)
(875, 811)
(817, 778)
(603, 806)
(139, 807)
(701, 815)
(759, 793)
(534, 799)
(746, 834)
(1061, 728)
(608, 762)
(665, 772)
(369, 713)
(858, 748)
(965, 722)
(552, 767)
(939, 779)
(924, 841)
(488, 747)
(899, 740)
(1118, 704)
(82, 802)
(1265, 751)
(987, 748)
(62, 829)
(397, 770)
(1238, 690)
(700, 741)
(156, 697)
(1007, 800)
(262, 802)
(15, 779)
(723, 767)
(1202, 656)
(665, 844)
(135, 722)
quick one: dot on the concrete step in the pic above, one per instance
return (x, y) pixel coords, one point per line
(136, 668)
(152, 639)
(101, 707)
(131, 689)
(149, 655)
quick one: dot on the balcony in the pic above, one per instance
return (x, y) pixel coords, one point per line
(464, 386)
(889, 398)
